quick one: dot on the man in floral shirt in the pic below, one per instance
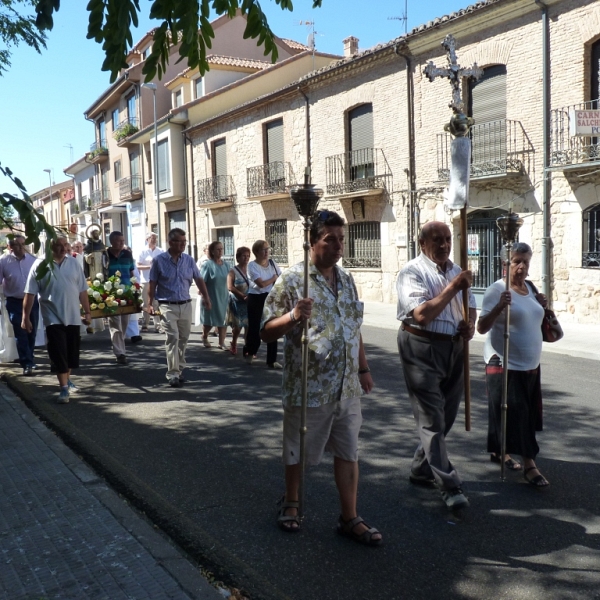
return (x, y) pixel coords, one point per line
(338, 372)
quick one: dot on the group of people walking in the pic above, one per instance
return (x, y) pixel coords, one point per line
(270, 304)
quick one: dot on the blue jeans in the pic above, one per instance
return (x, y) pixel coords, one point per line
(25, 341)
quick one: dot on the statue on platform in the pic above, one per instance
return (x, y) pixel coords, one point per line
(94, 252)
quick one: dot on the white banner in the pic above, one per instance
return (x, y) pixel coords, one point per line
(584, 122)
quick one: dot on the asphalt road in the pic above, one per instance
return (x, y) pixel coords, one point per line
(203, 463)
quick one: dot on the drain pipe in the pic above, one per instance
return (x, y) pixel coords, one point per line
(546, 206)
(411, 219)
(307, 112)
(194, 236)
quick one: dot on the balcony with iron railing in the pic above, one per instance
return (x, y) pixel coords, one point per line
(568, 148)
(98, 152)
(125, 129)
(130, 187)
(70, 207)
(498, 148)
(269, 181)
(358, 172)
(99, 198)
(217, 192)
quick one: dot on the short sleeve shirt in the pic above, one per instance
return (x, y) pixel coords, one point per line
(333, 336)
(123, 263)
(421, 280)
(173, 278)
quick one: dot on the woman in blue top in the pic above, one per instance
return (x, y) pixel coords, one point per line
(214, 271)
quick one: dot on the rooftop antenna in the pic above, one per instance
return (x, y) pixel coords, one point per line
(403, 18)
(310, 40)
(70, 147)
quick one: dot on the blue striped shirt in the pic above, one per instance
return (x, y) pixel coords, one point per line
(173, 278)
(421, 280)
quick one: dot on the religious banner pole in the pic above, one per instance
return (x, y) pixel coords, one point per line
(306, 198)
(460, 165)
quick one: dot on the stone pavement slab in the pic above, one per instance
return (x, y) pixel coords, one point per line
(65, 534)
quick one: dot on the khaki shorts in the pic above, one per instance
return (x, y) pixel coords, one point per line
(333, 427)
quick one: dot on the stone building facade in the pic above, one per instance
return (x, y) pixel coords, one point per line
(371, 128)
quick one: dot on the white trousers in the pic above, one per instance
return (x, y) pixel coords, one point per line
(177, 322)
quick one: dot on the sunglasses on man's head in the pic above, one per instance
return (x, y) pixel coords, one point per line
(322, 215)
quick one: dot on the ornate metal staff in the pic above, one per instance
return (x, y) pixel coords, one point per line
(306, 198)
(509, 226)
(460, 165)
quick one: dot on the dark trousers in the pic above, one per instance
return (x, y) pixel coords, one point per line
(25, 341)
(256, 303)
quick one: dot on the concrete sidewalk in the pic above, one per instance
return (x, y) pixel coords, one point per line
(580, 341)
(65, 534)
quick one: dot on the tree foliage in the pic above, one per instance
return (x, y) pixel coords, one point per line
(179, 22)
(17, 27)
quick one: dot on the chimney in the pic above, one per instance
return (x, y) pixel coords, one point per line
(350, 46)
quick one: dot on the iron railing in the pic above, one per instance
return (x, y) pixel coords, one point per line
(126, 128)
(358, 170)
(497, 148)
(130, 186)
(567, 149)
(98, 147)
(271, 178)
(362, 248)
(84, 203)
(99, 198)
(216, 189)
(70, 206)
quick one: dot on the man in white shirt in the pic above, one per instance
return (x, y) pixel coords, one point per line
(144, 264)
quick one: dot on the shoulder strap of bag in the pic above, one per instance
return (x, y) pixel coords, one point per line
(245, 278)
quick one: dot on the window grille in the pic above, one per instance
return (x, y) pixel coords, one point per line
(363, 245)
(276, 236)
(591, 237)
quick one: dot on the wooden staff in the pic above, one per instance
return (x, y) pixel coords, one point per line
(467, 367)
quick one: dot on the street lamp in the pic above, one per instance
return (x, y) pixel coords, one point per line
(152, 86)
(49, 171)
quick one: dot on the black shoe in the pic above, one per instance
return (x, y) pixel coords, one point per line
(182, 379)
(424, 480)
(136, 338)
(27, 371)
(122, 359)
(175, 382)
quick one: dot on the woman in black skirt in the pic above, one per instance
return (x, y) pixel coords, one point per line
(524, 398)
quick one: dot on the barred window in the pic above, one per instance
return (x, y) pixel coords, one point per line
(591, 237)
(276, 236)
(363, 245)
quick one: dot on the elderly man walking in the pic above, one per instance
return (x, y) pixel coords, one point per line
(170, 279)
(430, 342)
(144, 264)
(14, 270)
(338, 373)
(61, 291)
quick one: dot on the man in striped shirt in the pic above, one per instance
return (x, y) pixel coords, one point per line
(430, 341)
(171, 276)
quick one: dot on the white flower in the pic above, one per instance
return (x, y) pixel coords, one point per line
(123, 302)
(90, 292)
(97, 295)
(101, 305)
(117, 280)
(118, 273)
(93, 306)
(120, 292)
(100, 277)
(108, 286)
(96, 282)
(133, 280)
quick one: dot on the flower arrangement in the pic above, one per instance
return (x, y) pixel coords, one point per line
(111, 296)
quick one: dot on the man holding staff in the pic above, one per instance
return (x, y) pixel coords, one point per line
(338, 372)
(430, 342)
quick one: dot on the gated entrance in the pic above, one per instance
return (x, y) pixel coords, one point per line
(225, 236)
(483, 247)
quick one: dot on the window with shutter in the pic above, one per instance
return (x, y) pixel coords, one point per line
(164, 172)
(360, 132)
(275, 172)
(220, 169)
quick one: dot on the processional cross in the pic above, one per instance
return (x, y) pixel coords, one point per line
(459, 123)
(460, 165)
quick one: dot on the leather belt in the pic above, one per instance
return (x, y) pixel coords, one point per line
(430, 335)
(177, 302)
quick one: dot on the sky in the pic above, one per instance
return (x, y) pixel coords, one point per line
(43, 96)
